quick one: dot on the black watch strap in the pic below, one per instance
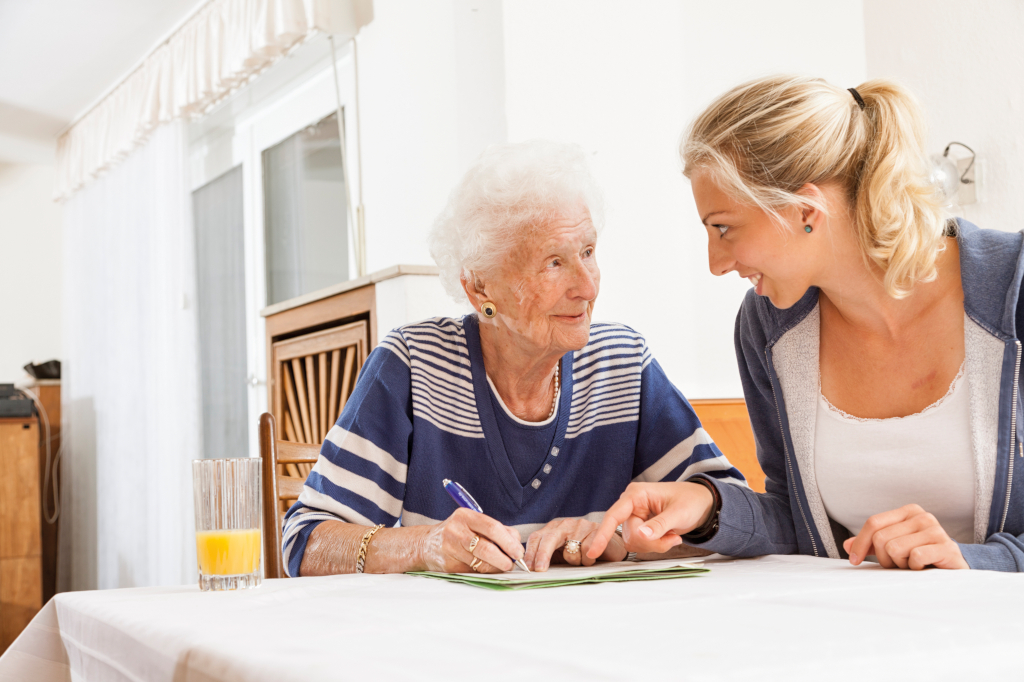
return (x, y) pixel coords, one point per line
(710, 527)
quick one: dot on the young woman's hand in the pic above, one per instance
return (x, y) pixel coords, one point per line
(908, 537)
(654, 516)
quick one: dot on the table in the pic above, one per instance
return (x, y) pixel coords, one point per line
(774, 617)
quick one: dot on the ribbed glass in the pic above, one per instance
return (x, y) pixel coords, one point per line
(228, 519)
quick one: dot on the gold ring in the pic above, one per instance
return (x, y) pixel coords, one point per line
(472, 543)
(476, 564)
(572, 546)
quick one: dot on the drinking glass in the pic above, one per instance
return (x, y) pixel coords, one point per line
(228, 513)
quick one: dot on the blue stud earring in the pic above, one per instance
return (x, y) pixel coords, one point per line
(808, 228)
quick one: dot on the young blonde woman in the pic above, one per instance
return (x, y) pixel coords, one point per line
(879, 348)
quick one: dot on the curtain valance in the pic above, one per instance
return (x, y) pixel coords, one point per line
(221, 47)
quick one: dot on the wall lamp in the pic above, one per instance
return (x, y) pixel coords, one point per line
(955, 178)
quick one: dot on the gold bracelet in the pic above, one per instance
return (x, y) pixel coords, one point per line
(363, 545)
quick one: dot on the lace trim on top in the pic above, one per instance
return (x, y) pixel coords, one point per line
(938, 403)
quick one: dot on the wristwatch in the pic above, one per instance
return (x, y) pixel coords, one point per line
(709, 528)
(630, 556)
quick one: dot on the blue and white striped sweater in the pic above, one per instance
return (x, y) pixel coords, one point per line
(421, 412)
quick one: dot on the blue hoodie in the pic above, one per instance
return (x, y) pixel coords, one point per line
(778, 359)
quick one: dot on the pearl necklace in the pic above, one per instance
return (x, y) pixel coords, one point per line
(554, 401)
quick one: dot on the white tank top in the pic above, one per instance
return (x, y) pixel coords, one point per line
(867, 466)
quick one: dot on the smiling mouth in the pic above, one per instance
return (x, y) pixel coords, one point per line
(572, 318)
(755, 279)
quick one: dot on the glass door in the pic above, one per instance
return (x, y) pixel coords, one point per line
(283, 132)
(220, 288)
(304, 212)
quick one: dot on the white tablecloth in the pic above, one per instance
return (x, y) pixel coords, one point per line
(765, 619)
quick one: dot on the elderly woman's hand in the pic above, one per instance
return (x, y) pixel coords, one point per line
(543, 544)
(449, 546)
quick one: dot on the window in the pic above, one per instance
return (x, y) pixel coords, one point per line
(282, 129)
(305, 215)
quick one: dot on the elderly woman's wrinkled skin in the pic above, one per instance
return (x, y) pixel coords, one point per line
(545, 295)
(544, 292)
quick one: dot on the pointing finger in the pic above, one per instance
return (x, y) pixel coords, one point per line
(618, 513)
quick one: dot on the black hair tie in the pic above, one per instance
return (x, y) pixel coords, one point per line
(856, 96)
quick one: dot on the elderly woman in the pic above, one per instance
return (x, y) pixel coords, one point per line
(542, 416)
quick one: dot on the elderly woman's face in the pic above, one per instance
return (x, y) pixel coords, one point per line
(546, 290)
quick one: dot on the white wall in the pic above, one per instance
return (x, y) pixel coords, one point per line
(431, 79)
(441, 80)
(964, 62)
(623, 80)
(31, 265)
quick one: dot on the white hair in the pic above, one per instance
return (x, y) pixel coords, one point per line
(510, 190)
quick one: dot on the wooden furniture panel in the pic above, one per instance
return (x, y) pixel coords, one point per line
(19, 488)
(728, 424)
(278, 488)
(313, 376)
(325, 312)
(21, 592)
(316, 346)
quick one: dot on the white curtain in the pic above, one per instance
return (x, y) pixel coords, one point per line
(224, 45)
(130, 374)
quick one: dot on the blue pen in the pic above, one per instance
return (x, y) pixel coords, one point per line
(466, 501)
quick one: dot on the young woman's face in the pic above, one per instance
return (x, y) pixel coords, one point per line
(779, 260)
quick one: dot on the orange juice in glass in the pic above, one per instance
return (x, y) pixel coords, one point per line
(228, 512)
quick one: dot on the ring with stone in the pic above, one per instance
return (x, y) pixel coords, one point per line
(476, 564)
(572, 546)
(473, 542)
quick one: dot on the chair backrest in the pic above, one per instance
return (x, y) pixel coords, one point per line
(728, 424)
(285, 467)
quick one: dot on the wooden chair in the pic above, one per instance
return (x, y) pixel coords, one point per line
(285, 468)
(728, 423)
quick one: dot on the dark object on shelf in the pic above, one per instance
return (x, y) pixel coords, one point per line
(14, 403)
(44, 370)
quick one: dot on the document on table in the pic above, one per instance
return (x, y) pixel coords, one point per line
(558, 576)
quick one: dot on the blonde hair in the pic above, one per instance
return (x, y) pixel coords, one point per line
(764, 140)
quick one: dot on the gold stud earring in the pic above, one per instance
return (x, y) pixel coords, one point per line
(488, 309)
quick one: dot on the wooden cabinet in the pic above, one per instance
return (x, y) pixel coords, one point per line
(317, 343)
(21, 546)
(28, 545)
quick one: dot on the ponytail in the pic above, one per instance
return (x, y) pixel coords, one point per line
(899, 216)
